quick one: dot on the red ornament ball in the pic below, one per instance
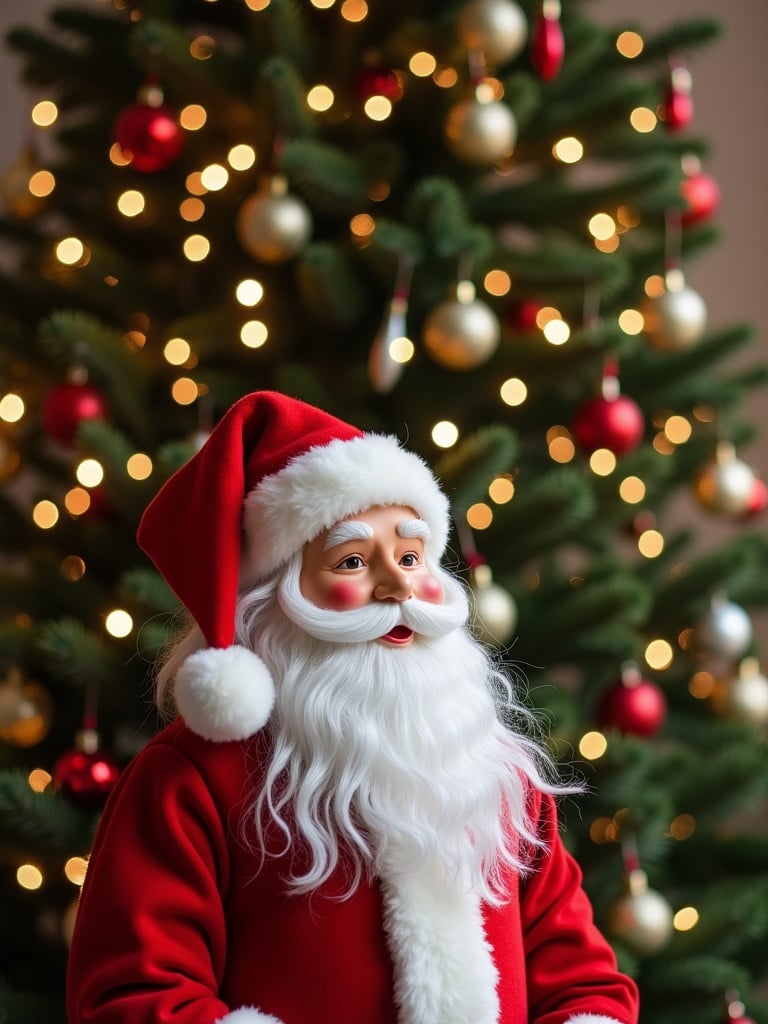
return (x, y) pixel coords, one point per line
(758, 499)
(613, 423)
(149, 136)
(69, 405)
(638, 707)
(701, 194)
(378, 81)
(547, 47)
(521, 316)
(86, 778)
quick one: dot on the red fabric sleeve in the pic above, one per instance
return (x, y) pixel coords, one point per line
(570, 967)
(149, 943)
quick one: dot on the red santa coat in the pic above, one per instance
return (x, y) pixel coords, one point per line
(180, 921)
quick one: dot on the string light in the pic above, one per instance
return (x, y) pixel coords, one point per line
(45, 514)
(191, 209)
(557, 332)
(41, 184)
(682, 827)
(545, 314)
(631, 321)
(44, 113)
(678, 429)
(501, 489)
(401, 350)
(214, 177)
(89, 473)
(77, 501)
(29, 876)
(249, 292)
(650, 544)
(202, 47)
(378, 108)
(497, 282)
(70, 251)
(659, 654)
(193, 117)
(629, 44)
(593, 745)
(445, 434)
(479, 516)
(354, 10)
(320, 98)
(685, 919)
(139, 466)
(241, 157)
(254, 333)
(11, 407)
(632, 490)
(39, 780)
(118, 623)
(568, 150)
(513, 391)
(701, 685)
(643, 119)
(131, 203)
(602, 226)
(72, 568)
(422, 64)
(258, 5)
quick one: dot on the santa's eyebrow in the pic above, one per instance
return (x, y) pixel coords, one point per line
(413, 528)
(355, 529)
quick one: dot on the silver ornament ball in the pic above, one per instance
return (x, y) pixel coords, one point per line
(461, 335)
(495, 611)
(496, 27)
(641, 919)
(726, 486)
(743, 697)
(480, 133)
(724, 632)
(273, 227)
(675, 320)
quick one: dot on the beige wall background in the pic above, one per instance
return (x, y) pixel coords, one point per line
(730, 81)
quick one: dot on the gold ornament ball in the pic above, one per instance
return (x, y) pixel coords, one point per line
(641, 919)
(676, 320)
(742, 697)
(273, 227)
(495, 611)
(461, 335)
(726, 486)
(26, 711)
(480, 133)
(496, 27)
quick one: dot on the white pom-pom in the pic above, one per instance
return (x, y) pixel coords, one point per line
(248, 1015)
(224, 693)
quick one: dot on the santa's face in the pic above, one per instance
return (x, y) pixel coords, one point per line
(375, 556)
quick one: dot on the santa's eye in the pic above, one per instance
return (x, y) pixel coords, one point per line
(351, 562)
(410, 559)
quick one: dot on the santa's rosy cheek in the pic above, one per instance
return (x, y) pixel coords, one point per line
(342, 595)
(429, 589)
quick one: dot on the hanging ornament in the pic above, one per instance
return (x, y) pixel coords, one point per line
(641, 918)
(727, 485)
(391, 347)
(26, 710)
(70, 404)
(700, 192)
(273, 225)
(86, 774)
(734, 1009)
(725, 631)
(520, 316)
(496, 28)
(461, 333)
(495, 611)
(677, 108)
(677, 319)
(548, 43)
(10, 460)
(481, 130)
(743, 695)
(608, 420)
(376, 79)
(148, 132)
(632, 705)
(18, 201)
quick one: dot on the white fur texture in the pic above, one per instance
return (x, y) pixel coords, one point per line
(591, 1018)
(443, 964)
(248, 1015)
(330, 483)
(224, 694)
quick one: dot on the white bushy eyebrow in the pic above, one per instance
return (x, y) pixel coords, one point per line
(354, 529)
(414, 528)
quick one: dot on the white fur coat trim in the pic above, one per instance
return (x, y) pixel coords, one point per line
(248, 1015)
(591, 1018)
(329, 483)
(443, 965)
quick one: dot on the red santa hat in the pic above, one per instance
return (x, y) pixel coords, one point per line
(273, 474)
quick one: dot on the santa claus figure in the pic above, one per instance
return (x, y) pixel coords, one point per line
(336, 827)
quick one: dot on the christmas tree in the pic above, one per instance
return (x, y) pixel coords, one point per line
(465, 223)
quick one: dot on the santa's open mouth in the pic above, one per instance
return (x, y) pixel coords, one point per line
(398, 635)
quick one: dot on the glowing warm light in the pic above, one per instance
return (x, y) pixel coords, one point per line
(39, 780)
(72, 568)
(632, 490)
(545, 314)
(118, 623)
(650, 543)
(422, 64)
(593, 745)
(131, 203)
(701, 685)
(629, 44)
(117, 156)
(557, 332)
(501, 490)
(659, 654)
(89, 473)
(401, 350)
(662, 444)
(70, 251)
(562, 449)
(257, 5)
(44, 113)
(29, 877)
(354, 10)
(480, 516)
(45, 514)
(241, 157)
(77, 501)
(191, 209)
(678, 429)
(184, 391)
(177, 351)
(41, 184)
(602, 462)
(254, 333)
(322, 5)
(513, 391)
(214, 177)
(74, 870)
(445, 78)
(194, 184)
(362, 225)
(445, 434)
(497, 282)
(631, 321)
(607, 244)
(202, 47)
(654, 286)
(11, 407)
(320, 98)
(196, 248)
(643, 119)
(139, 466)
(685, 919)
(568, 150)
(602, 226)
(193, 117)
(249, 292)
(378, 108)
(682, 827)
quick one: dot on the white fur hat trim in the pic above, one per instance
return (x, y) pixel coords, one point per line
(248, 1015)
(591, 1018)
(225, 694)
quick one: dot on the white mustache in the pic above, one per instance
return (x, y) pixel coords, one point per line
(376, 619)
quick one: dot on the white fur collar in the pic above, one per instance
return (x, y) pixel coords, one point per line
(443, 964)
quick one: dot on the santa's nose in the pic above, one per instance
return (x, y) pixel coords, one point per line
(393, 585)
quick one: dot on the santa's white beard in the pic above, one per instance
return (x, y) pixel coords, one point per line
(389, 759)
